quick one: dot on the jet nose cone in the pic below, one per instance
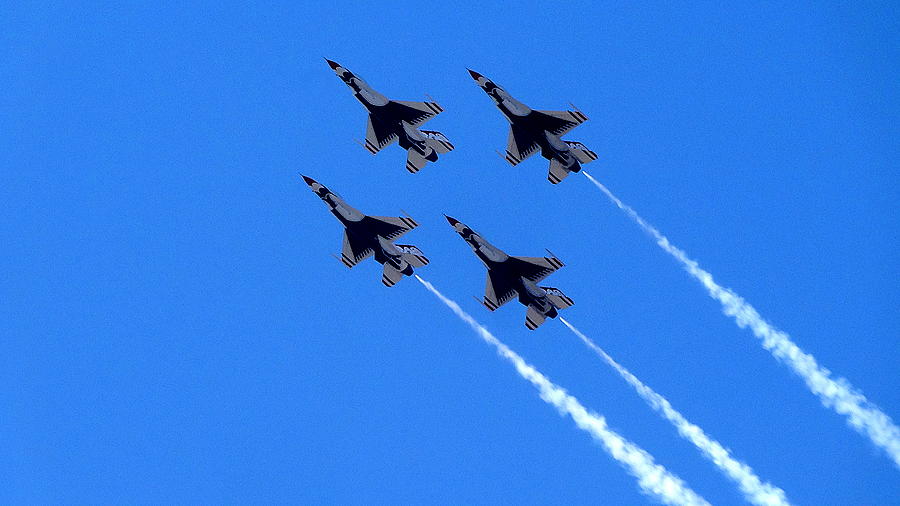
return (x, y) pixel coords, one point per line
(452, 221)
(475, 75)
(332, 64)
(310, 181)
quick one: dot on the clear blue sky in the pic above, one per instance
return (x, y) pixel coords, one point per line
(174, 329)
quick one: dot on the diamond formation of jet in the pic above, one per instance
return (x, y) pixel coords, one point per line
(508, 277)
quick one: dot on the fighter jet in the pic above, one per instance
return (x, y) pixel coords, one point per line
(531, 130)
(392, 120)
(368, 235)
(510, 276)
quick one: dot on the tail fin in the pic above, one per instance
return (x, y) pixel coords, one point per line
(557, 298)
(533, 318)
(558, 171)
(581, 152)
(438, 141)
(390, 276)
(412, 255)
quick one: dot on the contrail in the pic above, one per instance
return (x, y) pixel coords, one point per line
(837, 394)
(755, 491)
(653, 479)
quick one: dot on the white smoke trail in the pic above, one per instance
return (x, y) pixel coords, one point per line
(653, 478)
(755, 491)
(837, 394)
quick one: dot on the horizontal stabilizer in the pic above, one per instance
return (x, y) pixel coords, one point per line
(557, 298)
(533, 318)
(412, 255)
(415, 161)
(390, 276)
(438, 141)
(581, 152)
(558, 172)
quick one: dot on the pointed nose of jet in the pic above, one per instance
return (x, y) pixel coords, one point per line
(475, 75)
(310, 181)
(332, 64)
(452, 221)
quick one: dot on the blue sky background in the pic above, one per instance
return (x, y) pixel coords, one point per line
(174, 329)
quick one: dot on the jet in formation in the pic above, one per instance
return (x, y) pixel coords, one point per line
(396, 120)
(510, 276)
(531, 130)
(365, 236)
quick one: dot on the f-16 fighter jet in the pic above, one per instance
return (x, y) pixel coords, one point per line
(368, 235)
(392, 120)
(531, 130)
(509, 276)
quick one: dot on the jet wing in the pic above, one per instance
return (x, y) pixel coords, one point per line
(498, 291)
(520, 145)
(353, 253)
(535, 268)
(390, 227)
(415, 113)
(560, 122)
(378, 136)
